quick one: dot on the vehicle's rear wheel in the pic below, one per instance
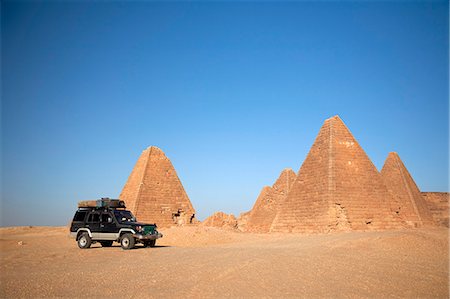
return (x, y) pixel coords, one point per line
(106, 243)
(84, 241)
(127, 241)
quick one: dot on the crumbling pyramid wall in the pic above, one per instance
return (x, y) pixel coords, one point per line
(221, 220)
(337, 188)
(242, 221)
(269, 201)
(411, 206)
(154, 193)
(438, 203)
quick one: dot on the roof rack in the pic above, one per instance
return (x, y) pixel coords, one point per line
(102, 203)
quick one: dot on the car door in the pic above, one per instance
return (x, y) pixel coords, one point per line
(108, 227)
(93, 223)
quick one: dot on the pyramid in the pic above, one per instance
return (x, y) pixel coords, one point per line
(268, 202)
(411, 205)
(154, 193)
(337, 188)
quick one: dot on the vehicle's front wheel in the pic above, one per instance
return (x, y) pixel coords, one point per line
(84, 241)
(106, 243)
(127, 241)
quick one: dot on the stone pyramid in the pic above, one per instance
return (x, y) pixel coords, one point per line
(154, 193)
(337, 188)
(268, 202)
(411, 205)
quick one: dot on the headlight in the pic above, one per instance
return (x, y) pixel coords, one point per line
(139, 228)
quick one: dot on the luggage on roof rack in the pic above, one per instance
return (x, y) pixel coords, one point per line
(102, 203)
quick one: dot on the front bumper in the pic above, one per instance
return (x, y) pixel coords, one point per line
(148, 237)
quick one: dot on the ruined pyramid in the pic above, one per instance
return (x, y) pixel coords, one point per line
(221, 220)
(154, 193)
(337, 188)
(411, 205)
(269, 201)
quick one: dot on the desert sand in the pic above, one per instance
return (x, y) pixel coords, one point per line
(204, 262)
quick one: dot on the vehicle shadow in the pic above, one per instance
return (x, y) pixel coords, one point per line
(138, 246)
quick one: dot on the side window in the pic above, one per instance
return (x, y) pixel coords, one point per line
(94, 217)
(106, 218)
(79, 216)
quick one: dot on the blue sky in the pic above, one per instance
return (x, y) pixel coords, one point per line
(232, 92)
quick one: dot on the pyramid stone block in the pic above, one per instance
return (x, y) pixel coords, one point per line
(411, 206)
(269, 201)
(154, 193)
(438, 203)
(337, 188)
(242, 221)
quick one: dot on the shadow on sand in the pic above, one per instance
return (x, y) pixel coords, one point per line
(138, 246)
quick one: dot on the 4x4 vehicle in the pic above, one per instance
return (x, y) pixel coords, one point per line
(107, 221)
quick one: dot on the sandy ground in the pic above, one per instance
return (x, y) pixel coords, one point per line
(205, 262)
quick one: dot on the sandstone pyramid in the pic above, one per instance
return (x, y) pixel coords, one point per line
(337, 188)
(154, 193)
(411, 205)
(269, 201)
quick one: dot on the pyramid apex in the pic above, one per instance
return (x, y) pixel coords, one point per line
(154, 149)
(287, 171)
(393, 155)
(336, 117)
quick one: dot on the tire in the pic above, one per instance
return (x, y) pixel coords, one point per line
(149, 243)
(84, 241)
(127, 241)
(106, 243)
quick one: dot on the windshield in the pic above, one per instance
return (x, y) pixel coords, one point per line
(124, 216)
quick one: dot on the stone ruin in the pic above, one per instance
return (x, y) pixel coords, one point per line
(408, 202)
(242, 221)
(221, 220)
(268, 203)
(337, 188)
(154, 193)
